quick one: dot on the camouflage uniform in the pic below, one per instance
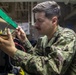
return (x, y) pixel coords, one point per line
(50, 57)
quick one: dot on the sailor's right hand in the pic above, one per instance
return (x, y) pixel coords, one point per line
(21, 34)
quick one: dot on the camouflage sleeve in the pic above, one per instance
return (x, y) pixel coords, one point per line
(56, 62)
(28, 46)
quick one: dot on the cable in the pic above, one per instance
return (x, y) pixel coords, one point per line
(20, 46)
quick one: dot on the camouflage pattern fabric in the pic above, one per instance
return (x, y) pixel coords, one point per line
(50, 57)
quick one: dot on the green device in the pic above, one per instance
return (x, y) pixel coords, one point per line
(5, 17)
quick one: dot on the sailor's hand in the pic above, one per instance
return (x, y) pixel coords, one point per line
(7, 45)
(21, 34)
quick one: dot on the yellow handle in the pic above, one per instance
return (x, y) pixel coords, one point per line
(22, 72)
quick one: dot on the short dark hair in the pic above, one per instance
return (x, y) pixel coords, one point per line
(51, 8)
